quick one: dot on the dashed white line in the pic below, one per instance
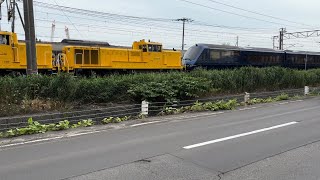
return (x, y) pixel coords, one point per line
(283, 103)
(141, 124)
(244, 109)
(238, 136)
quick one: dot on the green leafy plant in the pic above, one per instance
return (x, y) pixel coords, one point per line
(107, 120)
(115, 119)
(62, 125)
(282, 97)
(83, 123)
(142, 116)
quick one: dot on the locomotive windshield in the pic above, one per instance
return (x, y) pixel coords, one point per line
(192, 53)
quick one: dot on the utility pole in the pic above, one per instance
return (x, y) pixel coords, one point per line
(1, 1)
(305, 62)
(281, 37)
(66, 29)
(237, 43)
(53, 28)
(12, 14)
(32, 67)
(184, 20)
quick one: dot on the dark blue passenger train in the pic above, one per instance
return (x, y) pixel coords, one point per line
(219, 56)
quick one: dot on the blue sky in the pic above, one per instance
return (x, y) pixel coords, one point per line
(258, 33)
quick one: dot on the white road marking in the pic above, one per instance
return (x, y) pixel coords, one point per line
(141, 124)
(30, 142)
(244, 109)
(217, 113)
(49, 139)
(283, 103)
(238, 136)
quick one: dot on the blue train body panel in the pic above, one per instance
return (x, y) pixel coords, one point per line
(219, 56)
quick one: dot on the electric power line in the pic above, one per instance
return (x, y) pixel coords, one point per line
(258, 13)
(236, 14)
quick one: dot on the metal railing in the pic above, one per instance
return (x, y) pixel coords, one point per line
(145, 108)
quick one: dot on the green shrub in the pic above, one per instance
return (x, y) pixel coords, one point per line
(177, 87)
(154, 87)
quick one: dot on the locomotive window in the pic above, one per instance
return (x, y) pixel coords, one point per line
(4, 40)
(86, 57)
(94, 57)
(78, 55)
(214, 55)
(154, 48)
(144, 48)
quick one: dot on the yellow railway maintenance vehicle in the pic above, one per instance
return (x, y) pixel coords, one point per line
(13, 55)
(143, 56)
(81, 57)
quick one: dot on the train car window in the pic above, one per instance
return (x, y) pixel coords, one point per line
(159, 48)
(205, 55)
(150, 48)
(78, 55)
(236, 53)
(140, 47)
(226, 54)
(94, 57)
(192, 53)
(215, 55)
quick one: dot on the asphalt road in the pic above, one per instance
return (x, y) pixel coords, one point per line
(234, 144)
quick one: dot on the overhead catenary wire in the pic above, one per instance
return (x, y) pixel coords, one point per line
(237, 14)
(163, 28)
(125, 18)
(259, 13)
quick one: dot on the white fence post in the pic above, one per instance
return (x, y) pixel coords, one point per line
(246, 98)
(145, 108)
(306, 90)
